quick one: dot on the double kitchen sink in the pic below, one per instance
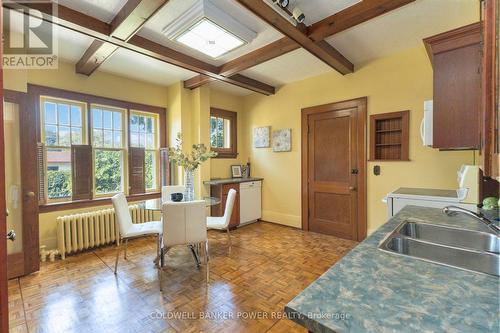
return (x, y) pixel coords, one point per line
(475, 251)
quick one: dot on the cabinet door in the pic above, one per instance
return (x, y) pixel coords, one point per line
(457, 92)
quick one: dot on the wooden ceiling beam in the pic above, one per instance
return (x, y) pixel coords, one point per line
(92, 27)
(198, 81)
(352, 16)
(129, 20)
(329, 26)
(254, 58)
(328, 55)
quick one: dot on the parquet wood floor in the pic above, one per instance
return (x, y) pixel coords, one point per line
(268, 266)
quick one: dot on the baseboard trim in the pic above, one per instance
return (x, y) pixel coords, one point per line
(283, 219)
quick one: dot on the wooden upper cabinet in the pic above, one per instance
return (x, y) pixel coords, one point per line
(456, 61)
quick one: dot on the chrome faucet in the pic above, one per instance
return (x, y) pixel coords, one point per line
(453, 210)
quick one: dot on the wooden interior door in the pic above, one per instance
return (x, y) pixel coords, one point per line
(4, 311)
(334, 159)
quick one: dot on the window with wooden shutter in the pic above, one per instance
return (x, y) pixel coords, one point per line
(63, 125)
(144, 133)
(164, 167)
(136, 161)
(81, 160)
(92, 147)
(42, 175)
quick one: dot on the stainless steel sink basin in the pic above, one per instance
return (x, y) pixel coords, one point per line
(476, 261)
(465, 249)
(476, 240)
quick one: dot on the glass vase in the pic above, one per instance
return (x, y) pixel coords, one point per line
(189, 184)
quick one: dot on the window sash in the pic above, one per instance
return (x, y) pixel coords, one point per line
(122, 174)
(137, 134)
(48, 176)
(82, 127)
(122, 131)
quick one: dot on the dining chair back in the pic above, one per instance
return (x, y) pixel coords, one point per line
(222, 222)
(184, 223)
(122, 212)
(129, 230)
(228, 211)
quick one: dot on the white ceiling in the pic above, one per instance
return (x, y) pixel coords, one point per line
(397, 30)
(403, 28)
(144, 68)
(103, 10)
(293, 66)
(72, 45)
(174, 8)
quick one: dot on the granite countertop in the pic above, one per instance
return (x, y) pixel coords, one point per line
(222, 181)
(374, 291)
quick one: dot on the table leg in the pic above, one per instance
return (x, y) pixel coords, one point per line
(195, 255)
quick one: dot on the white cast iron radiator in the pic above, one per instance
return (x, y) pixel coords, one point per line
(84, 231)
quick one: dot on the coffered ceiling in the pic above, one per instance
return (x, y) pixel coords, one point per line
(394, 31)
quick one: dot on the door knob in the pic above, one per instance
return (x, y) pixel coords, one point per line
(352, 188)
(30, 194)
(11, 235)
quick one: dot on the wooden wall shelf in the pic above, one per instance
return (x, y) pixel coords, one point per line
(389, 135)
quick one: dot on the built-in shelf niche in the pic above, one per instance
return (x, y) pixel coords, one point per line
(389, 135)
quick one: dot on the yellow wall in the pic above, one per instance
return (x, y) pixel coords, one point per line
(221, 167)
(400, 82)
(100, 84)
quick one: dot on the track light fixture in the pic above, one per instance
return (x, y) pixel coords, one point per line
(282, 3)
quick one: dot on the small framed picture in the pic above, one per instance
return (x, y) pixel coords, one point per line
(236, 171)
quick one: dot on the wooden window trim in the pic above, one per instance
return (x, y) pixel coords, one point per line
(77, 204)
(233, 118)
(33, 96)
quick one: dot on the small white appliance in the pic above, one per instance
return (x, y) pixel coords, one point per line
(250, 202)
(466, 196)
(426, 124)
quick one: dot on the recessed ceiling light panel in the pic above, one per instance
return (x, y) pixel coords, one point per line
(209, 38)
(209, 30)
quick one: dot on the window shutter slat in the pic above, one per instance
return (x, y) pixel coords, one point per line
(164, 167)
(136, 164)
(81, 160)
(41, 157)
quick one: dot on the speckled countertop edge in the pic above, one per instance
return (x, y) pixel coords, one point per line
(231, 180)
(374, 291)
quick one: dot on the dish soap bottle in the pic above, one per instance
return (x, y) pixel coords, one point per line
(248, 168)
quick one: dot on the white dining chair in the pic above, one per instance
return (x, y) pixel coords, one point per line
(129, 230)
(184, 224)
(169, 189)
(222, 222)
